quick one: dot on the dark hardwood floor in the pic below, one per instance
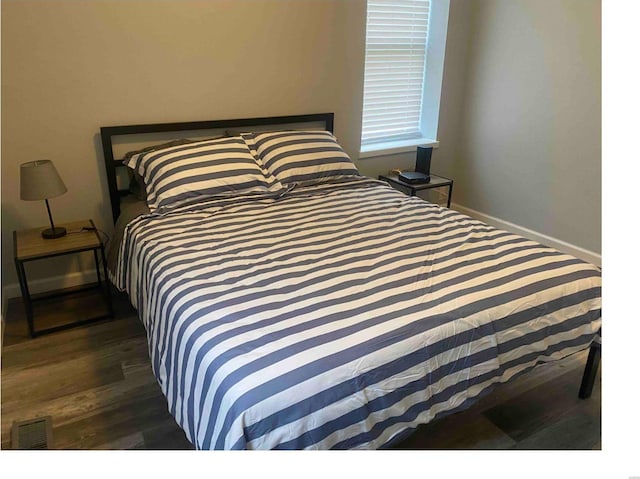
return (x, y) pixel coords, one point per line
(96, 383)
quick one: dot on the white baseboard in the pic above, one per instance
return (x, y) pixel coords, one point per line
(577, 251)
(48, 284)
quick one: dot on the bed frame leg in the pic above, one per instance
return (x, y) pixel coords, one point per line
(590, 370)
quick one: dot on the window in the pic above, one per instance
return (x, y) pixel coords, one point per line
(403, 74)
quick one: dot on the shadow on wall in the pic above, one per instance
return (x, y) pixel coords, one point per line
(105, 222)
(9, 221)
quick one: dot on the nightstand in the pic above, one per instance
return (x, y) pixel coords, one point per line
(435, 182)
(29, 245)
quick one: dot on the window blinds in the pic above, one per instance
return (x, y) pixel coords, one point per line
(396, 51)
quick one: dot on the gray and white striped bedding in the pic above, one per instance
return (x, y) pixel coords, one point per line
(342, 315)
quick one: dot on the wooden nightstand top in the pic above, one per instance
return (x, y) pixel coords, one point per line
(29, 244)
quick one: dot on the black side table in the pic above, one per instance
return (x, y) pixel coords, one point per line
(29, 246)
(434, 182)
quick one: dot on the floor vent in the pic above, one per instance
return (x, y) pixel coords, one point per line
(32, 434)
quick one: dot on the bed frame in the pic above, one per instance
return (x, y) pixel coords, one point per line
(115, 194)
(112, 164)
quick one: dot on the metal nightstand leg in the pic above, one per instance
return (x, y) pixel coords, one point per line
(450, 193)
(26, 296)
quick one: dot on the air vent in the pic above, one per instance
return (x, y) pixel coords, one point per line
(32, 434)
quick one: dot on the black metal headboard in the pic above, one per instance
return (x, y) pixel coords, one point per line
(108, 132)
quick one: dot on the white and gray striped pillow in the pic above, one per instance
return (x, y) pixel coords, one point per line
(300, 157)
(181, 174)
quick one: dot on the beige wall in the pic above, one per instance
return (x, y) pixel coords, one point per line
(519, 120)
(69, 67)
(529, 143)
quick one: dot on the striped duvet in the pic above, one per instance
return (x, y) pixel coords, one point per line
(342, 315)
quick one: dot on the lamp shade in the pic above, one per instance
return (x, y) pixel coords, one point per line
(40, 180)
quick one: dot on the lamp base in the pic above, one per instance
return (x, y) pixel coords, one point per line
(52, 233)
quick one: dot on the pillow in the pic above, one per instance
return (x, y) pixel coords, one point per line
(211, 168)
(136, 183)
(300, 157)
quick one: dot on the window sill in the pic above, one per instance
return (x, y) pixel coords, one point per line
(394, 147)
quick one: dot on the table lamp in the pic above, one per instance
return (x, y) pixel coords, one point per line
(39, 180)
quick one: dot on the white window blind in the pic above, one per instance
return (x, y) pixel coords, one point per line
(396, 51)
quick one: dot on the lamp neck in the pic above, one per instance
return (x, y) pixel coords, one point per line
(49, 211)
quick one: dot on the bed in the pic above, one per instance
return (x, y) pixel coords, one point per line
(322, 310)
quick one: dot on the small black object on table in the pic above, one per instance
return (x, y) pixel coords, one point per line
(434, 182)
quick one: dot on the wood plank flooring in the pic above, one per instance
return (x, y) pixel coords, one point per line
(96, 383)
